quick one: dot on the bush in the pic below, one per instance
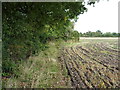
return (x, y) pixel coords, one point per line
(9, 68)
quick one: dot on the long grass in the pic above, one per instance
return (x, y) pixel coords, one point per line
(42, 71)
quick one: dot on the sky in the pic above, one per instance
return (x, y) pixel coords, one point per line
(103, 17)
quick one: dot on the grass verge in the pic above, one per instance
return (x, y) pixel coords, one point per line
(42, 71)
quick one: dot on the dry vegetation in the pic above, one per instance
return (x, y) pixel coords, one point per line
(84, 64)
(42, 71)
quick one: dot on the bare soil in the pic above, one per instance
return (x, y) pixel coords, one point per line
(92, 65)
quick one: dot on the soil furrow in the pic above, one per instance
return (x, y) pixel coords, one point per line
(76, 77)
(94, 58)
(90, 67)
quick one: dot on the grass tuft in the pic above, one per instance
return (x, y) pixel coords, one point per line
(42, 71)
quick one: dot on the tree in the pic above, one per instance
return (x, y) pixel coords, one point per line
(98, 33)
(27, 26)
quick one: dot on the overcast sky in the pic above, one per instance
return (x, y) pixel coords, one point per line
(104, 17)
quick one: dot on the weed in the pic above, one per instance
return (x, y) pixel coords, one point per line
(42, 71)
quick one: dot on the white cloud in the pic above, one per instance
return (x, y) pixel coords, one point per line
(104, 17)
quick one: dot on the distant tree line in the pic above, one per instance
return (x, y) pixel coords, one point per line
(98, 33)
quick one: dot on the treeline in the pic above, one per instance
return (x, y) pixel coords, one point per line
(98, 33)
(29, 26)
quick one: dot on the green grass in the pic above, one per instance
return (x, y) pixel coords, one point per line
(42, 71)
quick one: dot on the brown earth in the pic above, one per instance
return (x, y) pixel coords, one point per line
(92, 65)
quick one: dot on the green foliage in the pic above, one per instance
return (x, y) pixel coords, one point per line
(9, 68)
(29, 26)
(98, 33)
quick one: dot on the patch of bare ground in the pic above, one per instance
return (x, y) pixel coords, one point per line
(92, 65)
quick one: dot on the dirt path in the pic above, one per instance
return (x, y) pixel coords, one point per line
(92, 65)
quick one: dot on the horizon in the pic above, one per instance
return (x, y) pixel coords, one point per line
(96, 30)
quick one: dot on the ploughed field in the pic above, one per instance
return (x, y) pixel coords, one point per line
(92, 63)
